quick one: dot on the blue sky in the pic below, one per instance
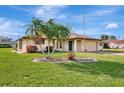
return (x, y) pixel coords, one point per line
(99, 19)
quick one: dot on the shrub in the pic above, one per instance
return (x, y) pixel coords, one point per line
(5, 46)
(71, 56)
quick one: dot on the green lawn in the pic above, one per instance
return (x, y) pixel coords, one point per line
(19, 70)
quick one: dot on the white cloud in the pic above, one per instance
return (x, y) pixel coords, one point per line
(104, 12)
(111, 26)
(96, 14)
(93, 31)
(47, 12)
(10, 27)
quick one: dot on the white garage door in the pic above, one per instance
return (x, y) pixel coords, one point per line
(91, 45)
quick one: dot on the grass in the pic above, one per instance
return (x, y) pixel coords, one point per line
(19, 70)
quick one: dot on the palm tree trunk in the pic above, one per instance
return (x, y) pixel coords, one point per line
(42, 50)
(49, 49)
(53, 50)
(41, 47)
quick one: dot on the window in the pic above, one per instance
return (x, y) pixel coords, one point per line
(40, 41)
(43, 41)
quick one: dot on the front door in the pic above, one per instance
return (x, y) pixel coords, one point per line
(70, 46)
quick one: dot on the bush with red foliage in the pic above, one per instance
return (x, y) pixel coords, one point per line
(71, 56)
(32, 49)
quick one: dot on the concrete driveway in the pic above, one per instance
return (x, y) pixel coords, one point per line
(111, 53)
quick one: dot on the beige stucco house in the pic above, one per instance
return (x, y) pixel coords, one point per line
(75, 43)
(112, 43)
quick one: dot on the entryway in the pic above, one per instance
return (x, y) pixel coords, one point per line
(70, 45)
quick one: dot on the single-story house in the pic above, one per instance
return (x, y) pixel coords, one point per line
(75, 42)
(5, 44)
(112, 43)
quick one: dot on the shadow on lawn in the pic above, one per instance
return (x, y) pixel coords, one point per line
(113, 69)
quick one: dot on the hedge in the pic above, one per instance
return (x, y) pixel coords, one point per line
(5, 46)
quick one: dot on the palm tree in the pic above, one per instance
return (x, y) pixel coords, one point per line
(104, 37)
(53, 31)
(5, 38)
(35, 31)
(113, 37)
(50, 29)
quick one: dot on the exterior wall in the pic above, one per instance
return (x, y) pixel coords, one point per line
(112, 44)
(115, 45)
(65, 45)
(100, 45)
(29, 42)
(121, 46)
(90, 45)
(75, 45)
(26, 43)
(82, 43)
(78, 45)
(43, 46)
(59, 46)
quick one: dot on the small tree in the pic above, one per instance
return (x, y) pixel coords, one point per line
(5, 38)
(50, 29)
(35, 31)
(104, 37)
(108, 37)
(53, 31)
(113, 37)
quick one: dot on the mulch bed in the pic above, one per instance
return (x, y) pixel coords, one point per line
(62, 60)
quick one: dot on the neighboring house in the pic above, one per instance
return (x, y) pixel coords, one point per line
(112, 43)
(75, 42)
(5, 44)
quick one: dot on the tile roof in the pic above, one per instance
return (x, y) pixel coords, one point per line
(72, 36)
(77, 36)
